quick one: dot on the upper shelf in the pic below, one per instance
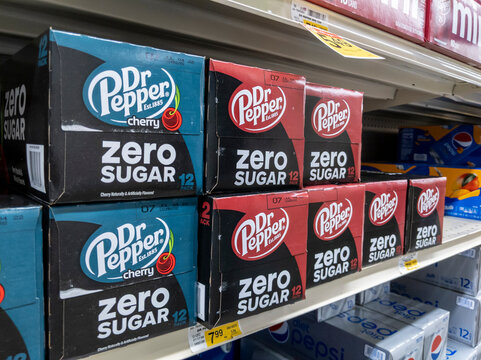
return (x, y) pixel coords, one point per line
(254, 32)
(458, 235)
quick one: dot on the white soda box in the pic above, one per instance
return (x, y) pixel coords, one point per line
(433, 321)
(458, 351)
(465, 310)
(335, 308)
(373, 293)
(460, 272)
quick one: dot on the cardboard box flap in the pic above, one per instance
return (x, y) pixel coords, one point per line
(262, 228)
(20, 252)
(106, 246)
(147, 97)
(255, 103)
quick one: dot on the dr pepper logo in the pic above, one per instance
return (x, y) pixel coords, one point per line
(428, 201)
(130, 95)
(110, 253)
(383, 207)
(259, 235)
(332, 219)
(330, 118)
(256, 108)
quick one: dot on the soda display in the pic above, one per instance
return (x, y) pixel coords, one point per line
(352, 335)
(453, 28)
(432, 321)
(443, 145)
(332, 132)
(87, 119)
(131, 264)
(22, 335)
(335, 308)
(465, 310)
(334, 234)
(373, 293)
(255, 131)
(460, 272)
(252, 254)
(384, 218)
(459, 351)
(403, 18)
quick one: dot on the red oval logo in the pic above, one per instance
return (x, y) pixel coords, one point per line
(256, 108)
(259, 235)
(332, 219)
(330, 118)
(428, 201)
(383, 207)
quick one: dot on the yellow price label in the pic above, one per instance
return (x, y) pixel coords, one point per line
(411, 264)
(312, 23)
(222, 333)
(340, 45)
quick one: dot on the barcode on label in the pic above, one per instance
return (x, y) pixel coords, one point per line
(201, 301)
(373, 353)
(465, 302)
(317, 15)
(35, 167)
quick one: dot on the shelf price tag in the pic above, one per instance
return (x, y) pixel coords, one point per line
(408, 263)
(340, 45)
(201, 338)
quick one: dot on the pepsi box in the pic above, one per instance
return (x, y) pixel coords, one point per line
(254, 129)
(384, 218)
(332, 131)
(373, 293)
(459, 351)
(252, 254)
(22, 335)
(334, 233)
(328, 311)
(120, 273)
(88, 119)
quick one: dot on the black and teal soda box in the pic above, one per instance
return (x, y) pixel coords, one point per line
(120, 273)
(86, 119)
(22, 335)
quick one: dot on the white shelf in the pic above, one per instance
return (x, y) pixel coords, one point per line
(254, 32)
(459, 235)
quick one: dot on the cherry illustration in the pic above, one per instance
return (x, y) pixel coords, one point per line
(165, 263)
(172, 119)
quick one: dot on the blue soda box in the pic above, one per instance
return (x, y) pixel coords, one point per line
(120, 273)
(22, 335)
(352, 335)
(88, 119)
(444, 145)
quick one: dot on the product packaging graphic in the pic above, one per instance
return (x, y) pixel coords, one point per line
(120, 273)
(465, 310)
(87, 119)
(332, 131)
(384, 218)
(453, 28)
(431, 320)
(21, 280)
(255, 132)
(353, 335)
(334, 233)
(373, 293)
(461, 272)
(402, 18)
(252, 254)
(459, 351)
(335, 308)
(444, 145)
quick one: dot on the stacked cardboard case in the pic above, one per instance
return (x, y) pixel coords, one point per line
(92, 120)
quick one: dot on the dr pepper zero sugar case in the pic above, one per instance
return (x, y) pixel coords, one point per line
(255, 132)
(88, 119)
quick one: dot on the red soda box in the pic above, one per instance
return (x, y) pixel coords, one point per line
(334, 234)
(332, 131)
(453, 27)
(384, 218)
(252, 254)
(255, 132)
(403, 18)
